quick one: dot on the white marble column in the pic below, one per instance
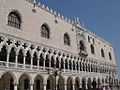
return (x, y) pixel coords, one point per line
(15, 86)
(64, 64)
(44, 86)
(73, 86)
(38, 63)
(65, 86)
(8, 53)
(24, 61)
(31, 66)
(16, 60)
(44, 64)
(31, 87)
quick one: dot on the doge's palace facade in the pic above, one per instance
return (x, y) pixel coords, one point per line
(35, 41)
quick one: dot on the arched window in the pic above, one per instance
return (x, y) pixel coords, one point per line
(92, 49)
(88, 39)
(41, 61)
(66, 39)
(12, 55)
(70, 65)
(52, 62)
(3, 54)
(28, 58)
(110, 57)
(66, 64)
(102, 53)
(44, 31)
(57, 63)
(62, 64)
(20, 57)
(14, 20)
(47, 61)
(73, 65)
(82, 45)
(35, 59)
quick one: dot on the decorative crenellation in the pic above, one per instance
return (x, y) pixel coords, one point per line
(56, 14)
(97, 36)
(65, 19)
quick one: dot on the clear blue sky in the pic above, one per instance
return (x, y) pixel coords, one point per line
(99, 16)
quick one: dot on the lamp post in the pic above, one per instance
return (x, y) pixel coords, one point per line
(111, 81)
(56, 73)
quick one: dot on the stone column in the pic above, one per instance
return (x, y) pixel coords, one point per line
(80, 85)
(68, 65)
(44, 64)
(44, 86)
(31, 87)
(24, 61)
(72, 66)
(8, 53)
(65, 86)
(64, 64)
(15, 86)
(78, 67)
(38, 62)
(16, 60)
(49, 62)
(31, 66)
(73, 86)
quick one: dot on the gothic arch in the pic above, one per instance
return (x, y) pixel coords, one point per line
(28, 75)
(11, 73)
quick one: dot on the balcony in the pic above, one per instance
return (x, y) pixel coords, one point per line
(83, 53)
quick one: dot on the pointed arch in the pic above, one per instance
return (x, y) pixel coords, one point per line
(45, 31)
(102, 53)
(110, 56)
(66, 39)
(35, 59)
(14, 19)
(3, 53)
(8, 80)
(12, 55)
(92, 49)
(20, 56)
(28, 58)
(69, 83)
(82, 46)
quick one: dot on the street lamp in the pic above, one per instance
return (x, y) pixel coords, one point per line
(56, 72)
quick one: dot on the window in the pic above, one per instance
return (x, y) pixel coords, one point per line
(28, 58)
(12, 55)
(14, 20)
(88, 39)
(110, 57)
(82, 45)
(102, 53)
(3, 54)
(92, 49)
(66, 40)
(93, 41)
(20, 56)
(44, 31)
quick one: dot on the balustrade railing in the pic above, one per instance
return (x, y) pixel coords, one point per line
(3, 63)
(19, 65)
(11, 64)
(34, 67)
